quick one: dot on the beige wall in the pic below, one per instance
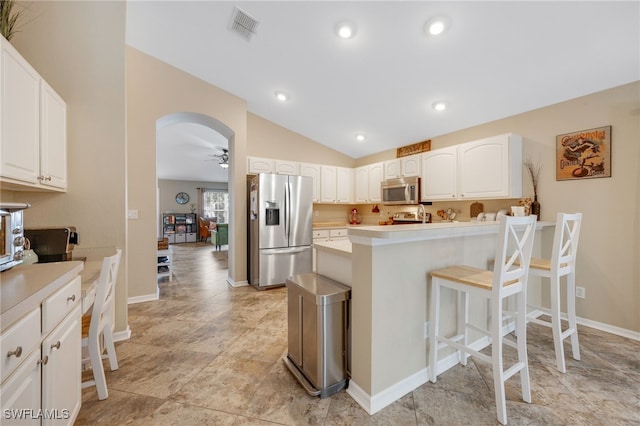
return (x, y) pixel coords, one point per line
(154, 90)
(66, 43)
(269, 140)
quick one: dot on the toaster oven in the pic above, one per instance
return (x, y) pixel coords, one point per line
(11, 234)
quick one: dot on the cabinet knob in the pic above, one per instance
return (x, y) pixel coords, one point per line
(56, 345)
(17, 352)
(72, 298)
(44, 361)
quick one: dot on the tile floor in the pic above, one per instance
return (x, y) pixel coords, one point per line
(207, 353)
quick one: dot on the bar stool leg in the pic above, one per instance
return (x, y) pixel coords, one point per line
(498, 367)
(462, 315)
(433, 330)
(521, 330)
(571, 314)
(556, 323)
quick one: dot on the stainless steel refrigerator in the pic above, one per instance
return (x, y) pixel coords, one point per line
(280, 215)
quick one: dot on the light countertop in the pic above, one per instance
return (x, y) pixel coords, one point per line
(24, 287)
(342, 247)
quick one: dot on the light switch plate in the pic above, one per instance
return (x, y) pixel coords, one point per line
(132, 214)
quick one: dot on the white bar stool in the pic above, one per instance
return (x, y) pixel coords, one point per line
(98, 326)
(508, 278)
(562, 263)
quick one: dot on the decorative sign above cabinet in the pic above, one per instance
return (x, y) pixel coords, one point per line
(415, 148)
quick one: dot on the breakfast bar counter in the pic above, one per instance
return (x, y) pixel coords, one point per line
(390, 283)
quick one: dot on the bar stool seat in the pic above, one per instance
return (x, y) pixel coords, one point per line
(561, 264)
(508, 278)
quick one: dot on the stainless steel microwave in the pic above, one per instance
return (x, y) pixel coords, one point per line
(400, 191)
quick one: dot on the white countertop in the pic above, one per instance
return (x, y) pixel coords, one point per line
(24, 287)
(342, 247)
(395, 234)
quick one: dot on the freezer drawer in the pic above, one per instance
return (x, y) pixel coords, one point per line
(276, 265)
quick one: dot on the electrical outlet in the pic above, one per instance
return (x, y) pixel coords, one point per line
(426, 329)
(580, 292)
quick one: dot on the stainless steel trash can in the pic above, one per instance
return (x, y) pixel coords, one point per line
(318, 312)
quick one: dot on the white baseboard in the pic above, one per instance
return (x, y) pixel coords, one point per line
(233, 283)
(143, 298)
(618, 331)
(122, 335)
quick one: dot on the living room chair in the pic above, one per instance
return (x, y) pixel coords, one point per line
(97, 326)
(508, 278)
(561, 264)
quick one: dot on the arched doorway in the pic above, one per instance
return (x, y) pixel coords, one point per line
(222, 132)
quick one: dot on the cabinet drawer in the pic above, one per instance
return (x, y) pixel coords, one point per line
(336, 233)
(23, 337)
(59, 304)
(320, 233)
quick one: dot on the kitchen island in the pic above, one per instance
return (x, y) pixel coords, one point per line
(389, 306)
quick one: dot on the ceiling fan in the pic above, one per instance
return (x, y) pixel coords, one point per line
(223, 158)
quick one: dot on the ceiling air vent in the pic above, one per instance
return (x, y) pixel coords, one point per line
(243, 23)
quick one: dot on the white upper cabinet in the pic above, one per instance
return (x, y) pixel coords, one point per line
(336, 184)
(53, 141)
(410, 165)
(402, 167)
(483, 169)
(261, 165)
(392, 169)
(20, 117)
(440, 174)
(33, 126)
(367, 183)
(313, 171)
(490, 168)
(328, 185)
(283, 167)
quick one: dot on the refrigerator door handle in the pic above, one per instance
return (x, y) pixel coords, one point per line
(287, 250)
(287, 207)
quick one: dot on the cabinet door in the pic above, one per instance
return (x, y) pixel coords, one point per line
(19, 116)
(439, 174)
(376, 176)
(486, 168)
(362, 185)
(21, 392)
(53, 138)
(313, 171)
(261, 165)
(61, 376)
(344, 188)
(328, 176)
(392, 169)
(283, 167)
(410, 166)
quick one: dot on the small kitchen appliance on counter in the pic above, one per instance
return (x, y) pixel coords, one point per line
(403, 218)
(11, 234)
(53, 244)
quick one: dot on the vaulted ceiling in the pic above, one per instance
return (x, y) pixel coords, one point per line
(494, 59)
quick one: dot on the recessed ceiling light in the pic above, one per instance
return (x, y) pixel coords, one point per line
(346, 29)
(281, 96)
(440, 105)
(360, 137)
(436, 25)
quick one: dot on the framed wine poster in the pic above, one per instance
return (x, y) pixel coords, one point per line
(585, 154)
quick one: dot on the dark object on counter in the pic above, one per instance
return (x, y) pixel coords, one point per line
(535, 207)
(52, 244)
(476, 209)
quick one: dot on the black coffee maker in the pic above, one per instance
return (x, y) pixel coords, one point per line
(52, 244)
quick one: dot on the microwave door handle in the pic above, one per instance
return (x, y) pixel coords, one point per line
(406, 193)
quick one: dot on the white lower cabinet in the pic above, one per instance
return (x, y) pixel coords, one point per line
(22, 392)
(41, 358)
(61, 375)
